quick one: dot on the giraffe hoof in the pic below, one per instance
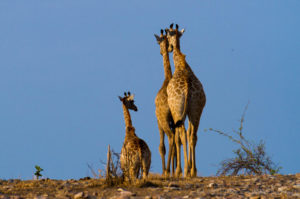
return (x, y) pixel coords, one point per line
(193, 173)
(178, 173)
(186, 173)
(166, 173)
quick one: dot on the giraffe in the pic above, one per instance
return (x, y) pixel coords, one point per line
(163, 114)
(135, 153)
(195, 96)
(177, 91)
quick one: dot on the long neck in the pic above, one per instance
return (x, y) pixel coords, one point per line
(167, 65)
(127, 117)
(179, 60)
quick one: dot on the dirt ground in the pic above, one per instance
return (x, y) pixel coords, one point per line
(252, 187)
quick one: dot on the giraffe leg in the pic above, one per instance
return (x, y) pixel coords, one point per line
(171, 149)
(193, 141)
(189, 130)
(178, 172)
(173, 159)
(162, 149)
(144, 170)
(184, 143)
(193, 146)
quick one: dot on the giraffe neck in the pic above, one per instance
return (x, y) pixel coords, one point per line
(127, 117)
(167, 65)
(179, 59)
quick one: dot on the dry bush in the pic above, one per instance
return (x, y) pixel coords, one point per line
(113, 171)
(250, 158)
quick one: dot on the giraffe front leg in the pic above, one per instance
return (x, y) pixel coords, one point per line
(170, 154)
(189, 130)
(162, 149)
(173, 159)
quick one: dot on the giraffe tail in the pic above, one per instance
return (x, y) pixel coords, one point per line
(181, 121)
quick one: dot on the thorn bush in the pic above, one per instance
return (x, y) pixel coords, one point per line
(250, 158)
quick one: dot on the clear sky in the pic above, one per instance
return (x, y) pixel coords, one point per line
(63, 64)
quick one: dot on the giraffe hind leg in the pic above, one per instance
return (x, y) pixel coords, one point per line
(171, 149)
(178, 171)
(184, 143)
(162, 149)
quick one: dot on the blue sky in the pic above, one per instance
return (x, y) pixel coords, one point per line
(63, 64)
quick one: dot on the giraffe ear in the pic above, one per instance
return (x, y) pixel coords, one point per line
(181, 32)
(121, 99)
(131, 97)
(158, 39)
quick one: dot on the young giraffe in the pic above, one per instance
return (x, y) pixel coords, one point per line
(163, 114)
(195, 96)
(135, 153)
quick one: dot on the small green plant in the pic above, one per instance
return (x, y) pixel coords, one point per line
(250, 158)
(38, 171)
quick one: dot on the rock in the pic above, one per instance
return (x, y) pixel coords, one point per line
(281, 189)
(78, 195)
(188, 186)
(297, 195)
(124, 192)
(296, 186)
(254, 197)
(173, 185)
(120, 189)
(40, 197)
(212, 185)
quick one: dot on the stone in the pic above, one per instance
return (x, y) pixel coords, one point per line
(254, 197)
(212, 185)
(296, 186)
(173, 185)
(124, 192)
(281, 189)
(78, 195)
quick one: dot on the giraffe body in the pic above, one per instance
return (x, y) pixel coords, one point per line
(163, 114)
(135, 154)
(177, 91)
(194, 96)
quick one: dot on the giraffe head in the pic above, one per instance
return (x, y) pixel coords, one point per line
(163, 42)
(173, 36)
(128, 101)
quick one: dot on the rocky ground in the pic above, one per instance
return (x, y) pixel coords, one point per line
(252, 187)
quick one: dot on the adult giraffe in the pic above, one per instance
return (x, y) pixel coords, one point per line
(186, 97)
